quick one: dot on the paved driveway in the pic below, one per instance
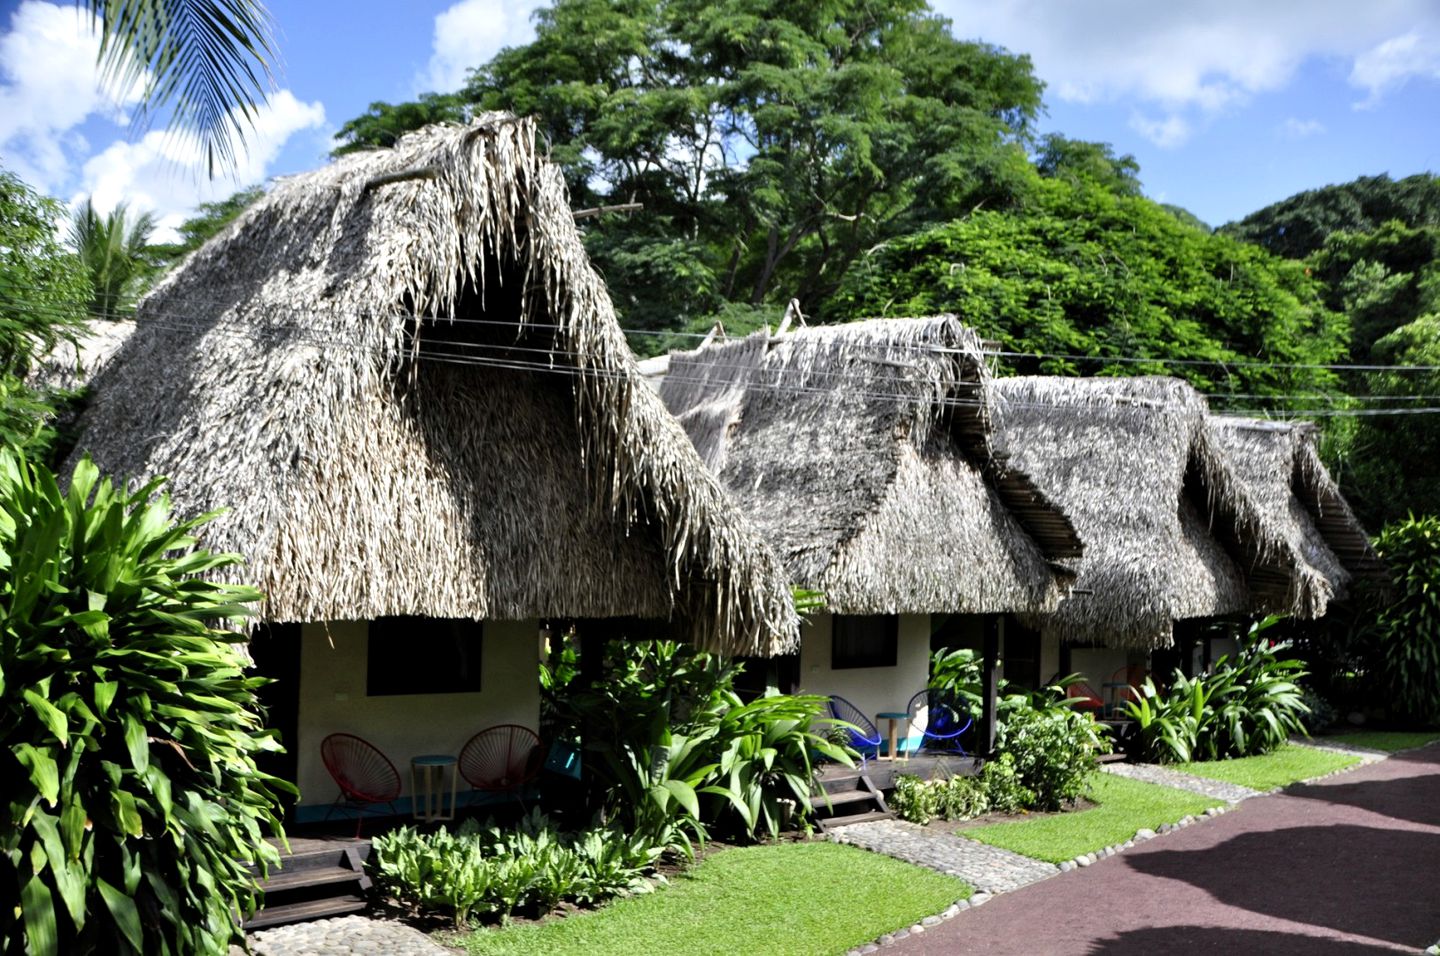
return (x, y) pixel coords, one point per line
(1347, 865)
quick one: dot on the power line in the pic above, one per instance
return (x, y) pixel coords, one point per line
(1225, 364)
(256, 333)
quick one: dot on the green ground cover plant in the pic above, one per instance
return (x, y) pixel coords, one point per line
(130, 725)
(1389, 741)
(1122, 807)
(1286, 765)
(794, 899)
(488, 871)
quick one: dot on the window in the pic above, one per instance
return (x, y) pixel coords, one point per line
(423, 655)
(864, 640)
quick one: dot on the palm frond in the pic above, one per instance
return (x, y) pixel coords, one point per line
(206, 60)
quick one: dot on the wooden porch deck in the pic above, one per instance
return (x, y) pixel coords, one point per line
(883, 771)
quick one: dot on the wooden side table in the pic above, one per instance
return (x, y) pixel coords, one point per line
(895, 717)
(427, 787)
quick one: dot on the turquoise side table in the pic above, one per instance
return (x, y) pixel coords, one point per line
(895, 717)
(427, 787)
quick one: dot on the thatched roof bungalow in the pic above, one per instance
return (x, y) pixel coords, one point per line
(862, 452)
(406, 383)
(1280, 466)
(1172, 530)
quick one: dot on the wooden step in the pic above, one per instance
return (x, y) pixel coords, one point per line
(820, 801)
(288, 879)
(299, 912)
(834, 822)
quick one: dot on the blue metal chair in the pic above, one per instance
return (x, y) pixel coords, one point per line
(944, 720)
(864, 735)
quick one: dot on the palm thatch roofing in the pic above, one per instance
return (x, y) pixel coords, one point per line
(1281, 468)
(407, 384)
(71, 365)
(862, 453)
(1170, 528)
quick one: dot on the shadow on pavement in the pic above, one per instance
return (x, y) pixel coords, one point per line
(1204, 939)
(1363, 880)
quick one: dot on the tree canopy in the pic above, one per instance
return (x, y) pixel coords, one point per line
(1299, 225)
(1077, 269)
(770, 143)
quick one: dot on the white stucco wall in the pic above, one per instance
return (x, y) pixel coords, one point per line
(871, 689)
(332, 699)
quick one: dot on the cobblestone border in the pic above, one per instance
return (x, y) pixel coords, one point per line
(1141, 836)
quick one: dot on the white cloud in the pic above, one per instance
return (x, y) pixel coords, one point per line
(469, 34)
(165, 174)
(1294, 128)
(1167, 133)
(1198, 58)
(50, 85)
(1390, 63)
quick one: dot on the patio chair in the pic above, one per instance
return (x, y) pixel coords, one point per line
(366, 777)
(1123, 686)
(945, 720)
(501, 759)
(864, 735)
(1085, 696)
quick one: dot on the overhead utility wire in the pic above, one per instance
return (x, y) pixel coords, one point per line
(1227, 364)
(497, 362)
(255, 333)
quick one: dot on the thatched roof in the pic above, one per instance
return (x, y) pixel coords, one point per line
(1170, 531)
(861, 451)
(71, 365)
(1281, 468)
(406, 382)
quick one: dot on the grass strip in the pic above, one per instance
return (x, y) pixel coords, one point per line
(1284, 765)
(1124, 806)
(794, 898)
(1389, 741)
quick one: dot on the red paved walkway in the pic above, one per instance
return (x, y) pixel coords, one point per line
(1348, 865)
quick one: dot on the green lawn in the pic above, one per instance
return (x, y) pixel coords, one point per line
(1282, 766)
(1124, 806)
(795, 898)
(1387, 740)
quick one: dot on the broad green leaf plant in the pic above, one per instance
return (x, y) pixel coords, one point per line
(134, 804)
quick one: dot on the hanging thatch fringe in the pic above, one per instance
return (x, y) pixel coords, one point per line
(1171, 527)
(287, 371)
(862, 451)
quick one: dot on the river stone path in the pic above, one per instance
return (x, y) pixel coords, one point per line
(1165, 777)
(988, 869)
(344, 936)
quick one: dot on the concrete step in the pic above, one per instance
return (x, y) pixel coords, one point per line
(834, 822)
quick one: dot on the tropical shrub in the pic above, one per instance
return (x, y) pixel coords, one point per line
(679, 751)
(1404, 639)
(1054, 749)
(134, 801)
(478, 871)
(997, 788)
(1249, 704)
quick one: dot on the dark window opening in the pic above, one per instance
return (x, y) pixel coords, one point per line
(1022, 655)
(423, 655)
(864, 640)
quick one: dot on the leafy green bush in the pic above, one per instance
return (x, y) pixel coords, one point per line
(1248, 705)
(1404, 639)
(134, 800)
(679, 751)
(996, 788)
(478, 871)
(1054, 750)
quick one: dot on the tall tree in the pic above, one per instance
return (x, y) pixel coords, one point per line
(42, 291)
(207, 61)
(112, 248)
(1081, 270)
(769, 142)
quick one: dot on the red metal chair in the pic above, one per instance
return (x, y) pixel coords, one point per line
(1085, 695)
(501, 759)
(365, 776)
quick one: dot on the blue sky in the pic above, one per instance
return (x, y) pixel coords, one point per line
(1227, 105)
